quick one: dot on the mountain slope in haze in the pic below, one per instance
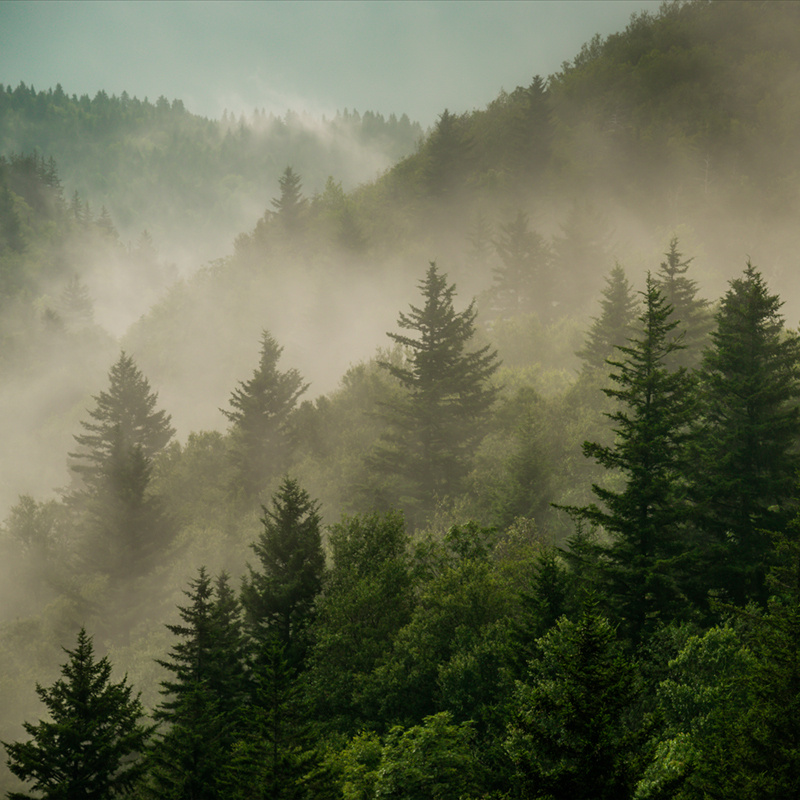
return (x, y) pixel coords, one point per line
(192, 182)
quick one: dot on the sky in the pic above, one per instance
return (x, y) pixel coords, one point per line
(413, 57)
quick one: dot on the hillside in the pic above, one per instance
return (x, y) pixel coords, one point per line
(471, 477)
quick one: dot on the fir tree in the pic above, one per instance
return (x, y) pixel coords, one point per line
(127, 528)
(437, 425)
(260, 409)
(644, 561)
(203, 696)
(291, 205)
(746, 442)
(616, 323)
(91, 747)
(279, 597)
(524, 282)
(691, 312)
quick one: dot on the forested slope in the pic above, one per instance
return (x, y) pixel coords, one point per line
(477, 480)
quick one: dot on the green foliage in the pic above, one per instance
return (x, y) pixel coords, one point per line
(746, 439)
(261, 408)
(279, 597)
(92, 746)
(437, 425)
(367, 599)
(645, 559)
(202, 697)
(127, 529)
(571, 737)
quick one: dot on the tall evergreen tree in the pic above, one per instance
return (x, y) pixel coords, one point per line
(260, 409)
(746, 444)
(291, 205)
(203, 696)
(436, 426)
(279, 597)
(524, 282)
(127, 528)
(91, 747)
(691, 312)
(616, 323)
(642, 563)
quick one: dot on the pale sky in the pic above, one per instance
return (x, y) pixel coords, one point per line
(416, 57)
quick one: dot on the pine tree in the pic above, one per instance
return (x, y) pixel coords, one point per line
(204, 696)
(437, 425)
(524, 282)
(643, 562)
(127, 528)
(261, 408)
(691, 312)
(616, 323)
(291, 205)
(91, 748)
(279, 597)
(746, 442)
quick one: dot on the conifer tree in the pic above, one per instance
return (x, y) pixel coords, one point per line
(746, 442)
(91, 747)
(691, 312)
(128, 529)
(570, 739)
(291, 204)
(203, 696)
(524, 282)
(279, 596)
(260, 409)
(643, 562)
(616, 323)
(436, 426)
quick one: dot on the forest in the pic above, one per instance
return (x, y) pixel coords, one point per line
(343, 459)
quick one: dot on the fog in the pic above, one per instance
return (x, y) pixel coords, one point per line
(200, 262)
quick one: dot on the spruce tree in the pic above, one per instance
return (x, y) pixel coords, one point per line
(746, 442)
(570, 736)
(260, 409)
(524, 282)
(91, 747)
(616, 323)
(126, 528)
(291, 205)
(691, 312)
(279, 597)
(436, 426)
(202, 697)
(643, 562)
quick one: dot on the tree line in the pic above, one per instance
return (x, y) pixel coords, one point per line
(653, 654)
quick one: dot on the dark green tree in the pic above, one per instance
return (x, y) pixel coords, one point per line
(260, 409)
(202, 698)
(367, 598)
(616, 323)
(126, 528)
(437, 425)
(446, 156)
(279, 595)
(91, 747)
(570, 737)
(691, 312)
(644, 560)
(746, 442)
